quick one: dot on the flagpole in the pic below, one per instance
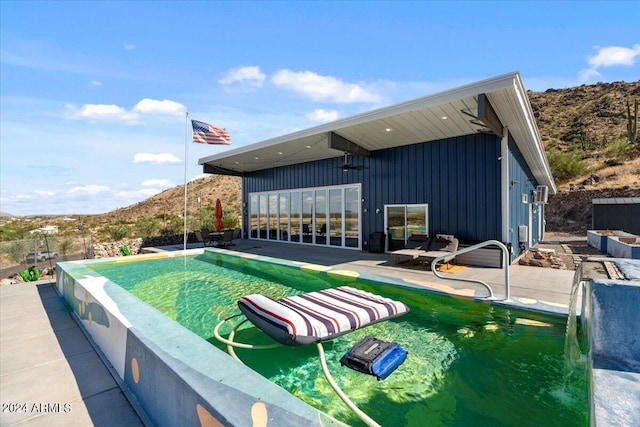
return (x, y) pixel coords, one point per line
(186, 159)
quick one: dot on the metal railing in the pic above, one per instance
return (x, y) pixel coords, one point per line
(505, 252)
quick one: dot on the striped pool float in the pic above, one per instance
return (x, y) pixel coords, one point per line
(318, 316)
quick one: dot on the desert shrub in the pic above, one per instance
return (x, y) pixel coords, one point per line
(206, 218)
(230, 221)
(67, 246)
(565, 166)
(622, 150)
(147, 226)
(16, 250)
(172, 224)
(117, 231)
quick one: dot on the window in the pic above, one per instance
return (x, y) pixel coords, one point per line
(320, 228)
(327, 216)
(283, 213)
(295, 217)
(401, 221)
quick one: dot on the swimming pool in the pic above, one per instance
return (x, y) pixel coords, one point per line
(469, 363)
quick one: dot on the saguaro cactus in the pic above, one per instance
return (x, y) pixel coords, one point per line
(632, 121)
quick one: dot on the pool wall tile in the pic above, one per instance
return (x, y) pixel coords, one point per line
(176, 377)
(174, 394)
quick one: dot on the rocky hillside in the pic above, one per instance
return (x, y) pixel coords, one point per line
(587, 117)
(588, 121)
(200, 194)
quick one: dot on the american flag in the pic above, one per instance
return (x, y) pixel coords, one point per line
(204, 133)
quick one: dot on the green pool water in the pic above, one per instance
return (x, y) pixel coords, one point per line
(469, 363)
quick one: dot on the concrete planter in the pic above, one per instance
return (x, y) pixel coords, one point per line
(624, 247)
(598, 238)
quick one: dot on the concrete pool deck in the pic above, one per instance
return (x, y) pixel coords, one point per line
(47, 361)
(50, 374)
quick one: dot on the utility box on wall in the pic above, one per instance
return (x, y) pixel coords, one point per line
(523, 234)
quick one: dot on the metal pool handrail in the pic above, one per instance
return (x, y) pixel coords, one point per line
(505, 252)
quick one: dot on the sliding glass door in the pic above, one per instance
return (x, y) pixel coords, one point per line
(325, 216)
(401, 221)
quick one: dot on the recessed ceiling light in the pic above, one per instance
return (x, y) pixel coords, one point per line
(388, 130)
(256, 158)
(308, 146)
(280, 152)
(444, 117)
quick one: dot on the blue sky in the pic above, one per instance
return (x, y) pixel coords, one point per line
(93, 95)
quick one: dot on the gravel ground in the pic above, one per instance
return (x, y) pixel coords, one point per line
(571, 248)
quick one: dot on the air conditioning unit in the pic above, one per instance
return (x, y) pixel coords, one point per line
(541, 195)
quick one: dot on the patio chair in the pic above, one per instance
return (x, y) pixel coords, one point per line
(416, 245)
(202, 236)
(227, 238)
(237, 233)
(441, 245)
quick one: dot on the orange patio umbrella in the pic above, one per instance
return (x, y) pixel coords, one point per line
(219, 224)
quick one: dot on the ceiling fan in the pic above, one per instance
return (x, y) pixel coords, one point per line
(346, 167)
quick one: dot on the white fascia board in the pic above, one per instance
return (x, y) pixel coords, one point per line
(461, 92)
(532, 128)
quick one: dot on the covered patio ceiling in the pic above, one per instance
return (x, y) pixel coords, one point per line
(443, 115)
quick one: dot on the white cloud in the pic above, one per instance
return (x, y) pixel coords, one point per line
(157, 183)
(320, 115)
(154, 106)
(44, 193)
(96, 83)
(614, 55)
(113, 112)
(129, 46)
(101, 112)
(587, 74)
(156, 159)
(250, 75)
(323, 88)
(88, 189)
(607, 57)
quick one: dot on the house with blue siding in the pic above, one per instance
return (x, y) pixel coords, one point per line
(467, 162)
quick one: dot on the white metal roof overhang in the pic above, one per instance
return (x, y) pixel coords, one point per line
(443, 115)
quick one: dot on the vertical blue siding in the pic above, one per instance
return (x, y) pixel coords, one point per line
(521, 182)
(459, 178)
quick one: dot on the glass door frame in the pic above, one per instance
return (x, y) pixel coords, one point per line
(316, 218)
(406, 231)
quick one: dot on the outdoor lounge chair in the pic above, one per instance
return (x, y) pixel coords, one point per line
(416, 245)
(441, 245)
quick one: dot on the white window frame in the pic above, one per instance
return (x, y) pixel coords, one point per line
(327, 189)
(405, 206)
